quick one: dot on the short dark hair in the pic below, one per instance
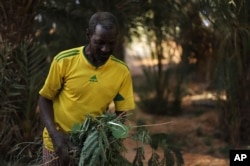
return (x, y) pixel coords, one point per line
(106, 19)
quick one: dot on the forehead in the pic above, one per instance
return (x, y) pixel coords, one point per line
(104, 34)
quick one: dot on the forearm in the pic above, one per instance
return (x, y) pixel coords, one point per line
(47, 114)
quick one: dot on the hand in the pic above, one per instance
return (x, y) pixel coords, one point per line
(61, 146)
(121, 115)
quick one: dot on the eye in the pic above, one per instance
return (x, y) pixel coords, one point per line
(99, 42)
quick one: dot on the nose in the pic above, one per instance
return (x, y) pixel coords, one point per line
(106, 48)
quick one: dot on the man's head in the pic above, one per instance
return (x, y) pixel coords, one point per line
(106, 19)
(102, 34)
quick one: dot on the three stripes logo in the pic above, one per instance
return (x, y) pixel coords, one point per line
(93, 79)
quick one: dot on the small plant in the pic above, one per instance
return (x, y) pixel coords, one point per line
(160, 92)
(172, 154)
(225, 150)
(99, 141)
(207, 140)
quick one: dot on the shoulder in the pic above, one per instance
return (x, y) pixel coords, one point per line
(119, 63)
(66, 54)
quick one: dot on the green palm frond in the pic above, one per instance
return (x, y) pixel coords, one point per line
(22, 70)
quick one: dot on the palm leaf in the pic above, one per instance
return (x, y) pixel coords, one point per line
(22, 72)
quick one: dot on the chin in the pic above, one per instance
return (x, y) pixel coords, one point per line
(104, 56)
(104, 59)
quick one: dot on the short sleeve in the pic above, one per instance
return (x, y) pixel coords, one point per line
(53, 82)
(124, 100)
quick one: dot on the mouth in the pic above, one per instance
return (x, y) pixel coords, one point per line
(104, 56)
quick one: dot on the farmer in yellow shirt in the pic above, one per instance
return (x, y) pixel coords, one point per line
(83, 81)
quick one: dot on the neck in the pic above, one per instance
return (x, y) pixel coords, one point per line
(91, 58)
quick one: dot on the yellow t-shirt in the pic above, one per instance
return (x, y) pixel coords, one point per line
(78, 88)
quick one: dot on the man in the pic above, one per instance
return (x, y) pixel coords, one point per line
(82, 81)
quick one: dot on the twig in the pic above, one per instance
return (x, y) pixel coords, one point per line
(151, 125)
(55, 158)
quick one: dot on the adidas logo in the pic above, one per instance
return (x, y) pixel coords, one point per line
(93, 79)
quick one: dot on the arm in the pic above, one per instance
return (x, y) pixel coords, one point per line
(60, 141)
(47, 114)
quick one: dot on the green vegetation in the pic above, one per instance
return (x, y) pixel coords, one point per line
(99, 140)
(231, 78)
(22, 69)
